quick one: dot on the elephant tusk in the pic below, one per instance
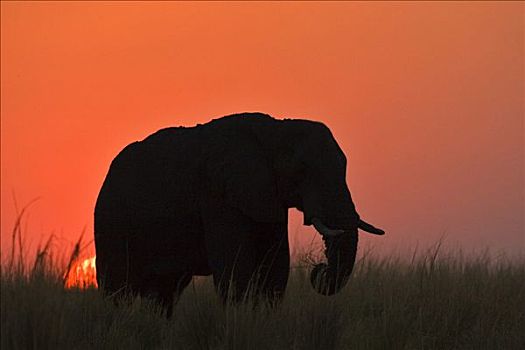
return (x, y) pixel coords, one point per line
(365, 226)
(325, 231)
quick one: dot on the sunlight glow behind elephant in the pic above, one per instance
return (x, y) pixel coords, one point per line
(83, 274)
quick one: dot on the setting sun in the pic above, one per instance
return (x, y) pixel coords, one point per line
(82, 274)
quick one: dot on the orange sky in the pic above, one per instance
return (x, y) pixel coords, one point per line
(426, 100)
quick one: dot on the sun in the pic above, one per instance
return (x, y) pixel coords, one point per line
(83, 274)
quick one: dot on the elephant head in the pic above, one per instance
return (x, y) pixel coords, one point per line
(314, 180)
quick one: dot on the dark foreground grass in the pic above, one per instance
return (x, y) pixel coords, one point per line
(447, 302)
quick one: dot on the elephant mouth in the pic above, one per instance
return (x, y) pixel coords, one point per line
(339, 229)
(325, 230)
(341, 223)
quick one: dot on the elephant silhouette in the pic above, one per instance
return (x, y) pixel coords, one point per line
(214, 199)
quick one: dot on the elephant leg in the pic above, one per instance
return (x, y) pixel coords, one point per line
(247, 258)
(233, 268)
(231, 250)
(165, 289)
(273, 261)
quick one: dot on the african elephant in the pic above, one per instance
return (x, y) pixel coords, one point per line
(214, 199)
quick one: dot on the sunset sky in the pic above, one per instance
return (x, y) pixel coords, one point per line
(426, 100)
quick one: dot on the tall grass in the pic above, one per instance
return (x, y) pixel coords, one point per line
(436, 300)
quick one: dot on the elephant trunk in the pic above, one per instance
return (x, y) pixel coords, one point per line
(341, 250)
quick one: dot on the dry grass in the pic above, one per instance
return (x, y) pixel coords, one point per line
(433, 301)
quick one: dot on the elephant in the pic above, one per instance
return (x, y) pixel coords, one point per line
(213, 199)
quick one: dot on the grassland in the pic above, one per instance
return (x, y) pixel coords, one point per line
(433, 301)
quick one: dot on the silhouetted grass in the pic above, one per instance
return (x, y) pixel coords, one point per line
(433, 301)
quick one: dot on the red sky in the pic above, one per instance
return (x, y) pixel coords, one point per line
(426, 100)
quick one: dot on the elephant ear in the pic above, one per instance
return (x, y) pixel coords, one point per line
(241, 174)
